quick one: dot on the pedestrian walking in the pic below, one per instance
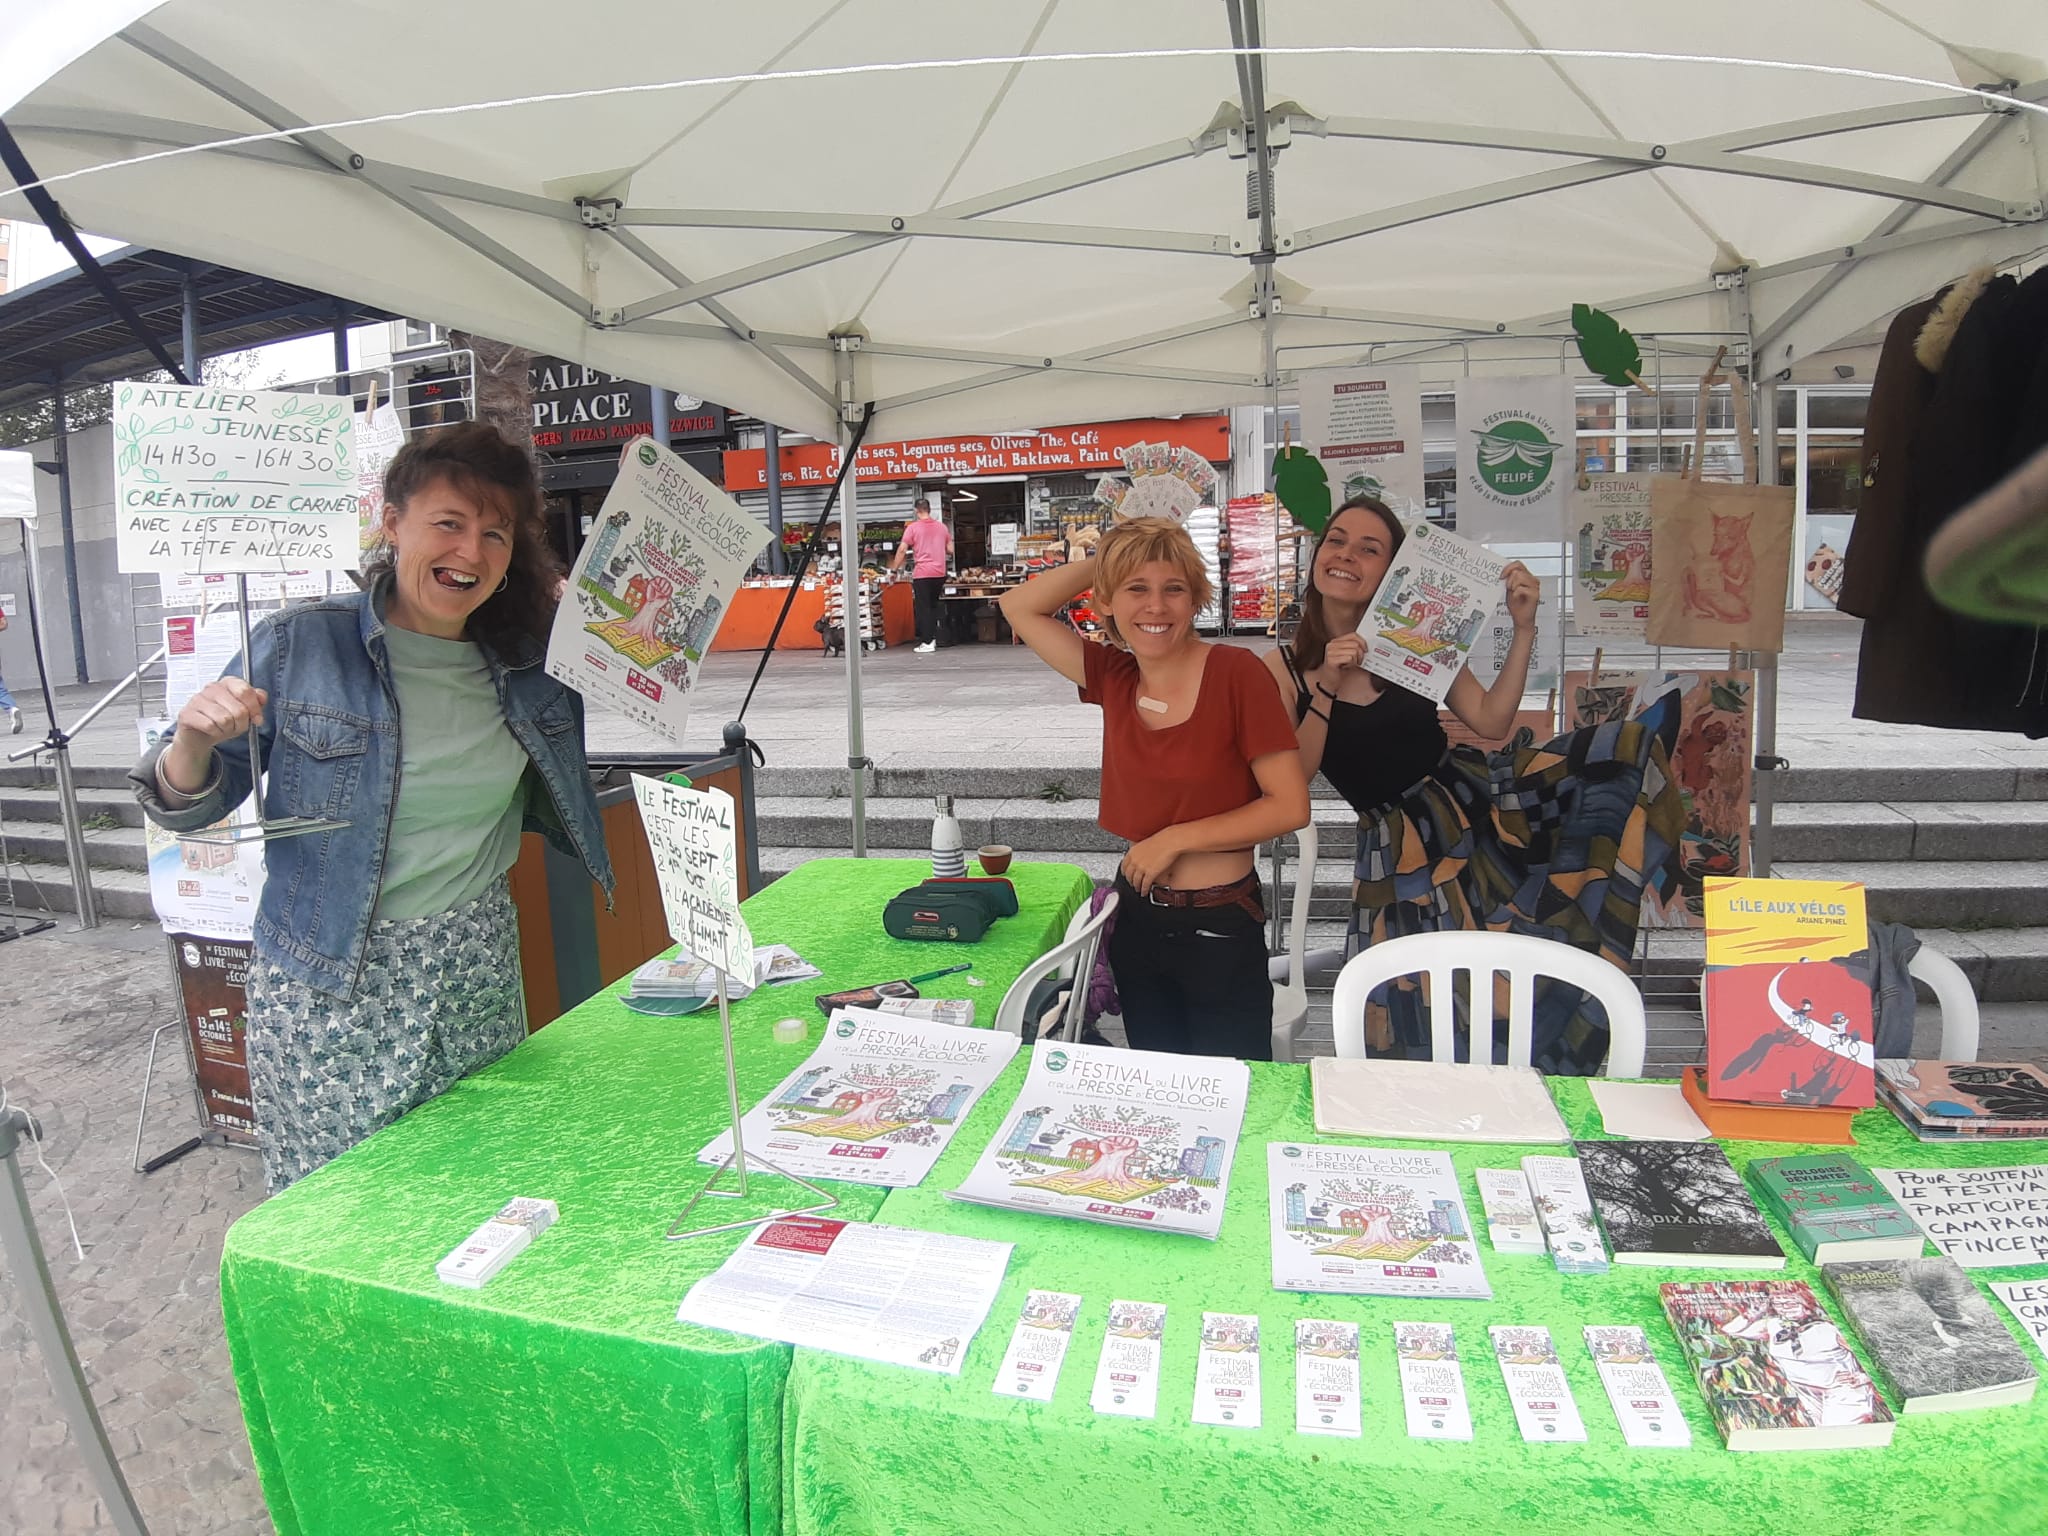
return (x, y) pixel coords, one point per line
(928, 543)
(7, 699)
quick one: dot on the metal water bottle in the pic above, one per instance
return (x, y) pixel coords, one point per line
(949, 859)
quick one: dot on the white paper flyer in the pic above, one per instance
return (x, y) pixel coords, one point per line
(1430, 607)
(879, 1293)
(1982, 1218)
(1517, 452)
(2026, 1300)
(1565, 1209)
(1432, 1382)
(1536, 1384)
(1227, 1371)
(1370, 1221)
(1038, 1347)
(1366, 428)
(1610, 531)
(1326, 1382)
(649, 588)
(379, 436)
(1511, 1224)
(1644, 1404)
(1131, 1138)
(877, 1102)
(209, 890)
(1127, 1372)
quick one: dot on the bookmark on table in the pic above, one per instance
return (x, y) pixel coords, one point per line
(1227, 1371)
(1326, 1387)
(1038, 1348)
(1432, 1382)
(1536, 1384)
(1127, 1375)
(1511, 1224)
(1565, 1210)
(1644, 1404)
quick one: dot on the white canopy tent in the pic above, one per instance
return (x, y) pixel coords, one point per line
(998, 216)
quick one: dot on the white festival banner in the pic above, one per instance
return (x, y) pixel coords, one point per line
(1366, 427)
(650, 586)
(232, 480)
(1517, 454)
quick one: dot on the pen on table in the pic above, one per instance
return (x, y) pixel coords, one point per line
(967, 965)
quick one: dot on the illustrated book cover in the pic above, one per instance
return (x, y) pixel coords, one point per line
(1789, 1017)
(1937, 1099)
(1932, 1338)
(1835, 1208)
(1676, 1203)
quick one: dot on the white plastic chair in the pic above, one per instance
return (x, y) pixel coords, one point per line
(1073, 956)
(1290, 992)
(1956, 998)
(1440, 955)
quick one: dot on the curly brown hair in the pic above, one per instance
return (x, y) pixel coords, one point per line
(1312, 637)
(477, 460)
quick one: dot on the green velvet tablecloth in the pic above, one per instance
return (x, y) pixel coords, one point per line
(875, 1449)
(563, 1396)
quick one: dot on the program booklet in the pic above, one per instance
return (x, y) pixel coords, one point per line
(876, 1103)
(1676, 1203)
(1788, 1020)
(1931, 1336)
(1775, 1370)
(1433, 1101)
(1430, 607)
(1370, 1221)
(1130, 1138)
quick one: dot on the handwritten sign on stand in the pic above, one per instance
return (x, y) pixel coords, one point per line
(691, 834)
(232, 480)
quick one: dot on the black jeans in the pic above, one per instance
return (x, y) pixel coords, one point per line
(1192, 979)
(924, 597)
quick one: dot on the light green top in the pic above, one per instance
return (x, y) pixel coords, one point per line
(455, 828)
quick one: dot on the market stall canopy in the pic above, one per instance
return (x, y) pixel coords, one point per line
(1011, 215)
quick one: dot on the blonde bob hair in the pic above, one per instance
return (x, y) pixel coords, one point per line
(1138, 542)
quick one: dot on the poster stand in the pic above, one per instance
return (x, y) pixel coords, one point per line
(740, 1157)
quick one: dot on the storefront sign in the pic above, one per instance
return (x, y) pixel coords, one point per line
(212, 975)
(1058, 450)
(578, 407)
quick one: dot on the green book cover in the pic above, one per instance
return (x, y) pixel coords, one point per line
(1829, 1197)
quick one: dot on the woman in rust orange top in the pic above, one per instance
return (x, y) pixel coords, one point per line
(1198, 767)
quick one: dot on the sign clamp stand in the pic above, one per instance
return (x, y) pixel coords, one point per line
(740, 1157)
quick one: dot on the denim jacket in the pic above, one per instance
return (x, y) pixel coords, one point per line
(330, 748)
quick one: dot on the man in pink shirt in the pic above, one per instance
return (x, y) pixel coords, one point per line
(928, 543)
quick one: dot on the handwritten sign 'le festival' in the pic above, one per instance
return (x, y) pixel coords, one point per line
(228, 480)
(690, 833)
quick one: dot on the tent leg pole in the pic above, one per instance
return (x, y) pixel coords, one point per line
(852, 596)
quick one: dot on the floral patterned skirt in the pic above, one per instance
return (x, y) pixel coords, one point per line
(439, 997)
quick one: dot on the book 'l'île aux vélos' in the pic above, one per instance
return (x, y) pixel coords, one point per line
(1789, 1018)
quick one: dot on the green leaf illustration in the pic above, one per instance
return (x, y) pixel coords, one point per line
(1729, 696)
(1303, 487)
(1607, 349)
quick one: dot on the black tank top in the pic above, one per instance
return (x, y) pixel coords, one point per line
(1374, 753)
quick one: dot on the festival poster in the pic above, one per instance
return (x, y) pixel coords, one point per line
(1517, 447)
(1430, 609)
(1370, 1221)
(1611, 549)
(1366, 427)
(1712, 766)
(209, 479)
(379, 436)
(210, 889)
(212, 976)
(650, 586)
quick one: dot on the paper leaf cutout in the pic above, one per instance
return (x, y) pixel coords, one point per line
(1303, 487)
(1607, 349)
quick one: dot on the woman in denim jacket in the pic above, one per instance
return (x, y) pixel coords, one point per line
(418, 713)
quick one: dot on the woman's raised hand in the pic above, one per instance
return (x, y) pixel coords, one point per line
(224, 709)
(1524, 593)
(1345, 650)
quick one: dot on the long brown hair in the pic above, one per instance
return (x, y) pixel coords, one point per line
(474, 458)
(1312, 637)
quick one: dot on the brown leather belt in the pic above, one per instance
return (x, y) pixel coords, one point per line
(1242, 893)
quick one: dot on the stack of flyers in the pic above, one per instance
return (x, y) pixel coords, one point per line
(682, 983)
(1643, 1402)
(1127, 1375)
(494, 1244)
(956, 1011)
(1227, 1371)
(1165, 482)
(775, 964)
(1326, 1384)
(1038, 1348)
(1511, 1224)
(1566, 1211)
(1432, 1382)
(1536, 1384)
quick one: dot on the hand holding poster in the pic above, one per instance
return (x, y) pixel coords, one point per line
(696, 858)
(232, 480)
(1428, 612)
(649, 588)
(1367, 430)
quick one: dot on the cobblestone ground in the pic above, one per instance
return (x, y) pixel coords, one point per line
(76, 1011)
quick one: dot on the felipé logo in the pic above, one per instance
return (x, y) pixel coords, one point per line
(847, 1029)
(1055, 1061)
(647, 454)
(1516, 456)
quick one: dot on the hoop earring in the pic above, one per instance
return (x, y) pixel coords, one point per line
(503, 582)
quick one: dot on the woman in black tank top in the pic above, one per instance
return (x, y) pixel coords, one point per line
(1454, 838)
